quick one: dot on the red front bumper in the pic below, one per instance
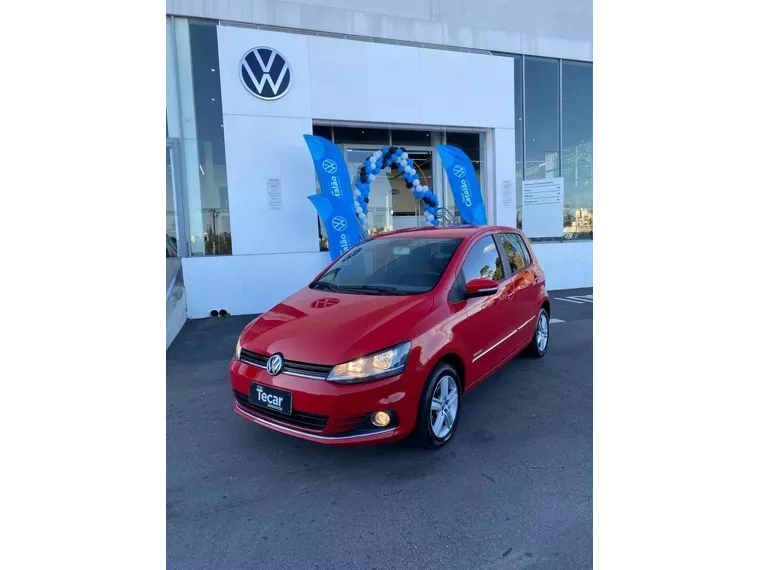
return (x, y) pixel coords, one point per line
(324, 412)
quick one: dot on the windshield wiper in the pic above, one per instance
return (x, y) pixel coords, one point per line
(326, 285)
(372, 289)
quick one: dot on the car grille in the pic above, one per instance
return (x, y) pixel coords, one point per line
(315, 371)
(312, 422)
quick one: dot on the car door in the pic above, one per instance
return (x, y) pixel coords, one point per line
(490, 320)
(524, 283)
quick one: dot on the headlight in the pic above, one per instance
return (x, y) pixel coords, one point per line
(388, 362)
(237, 348)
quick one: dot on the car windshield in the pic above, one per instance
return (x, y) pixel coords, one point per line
(390, 266)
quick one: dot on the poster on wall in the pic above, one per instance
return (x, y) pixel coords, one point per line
(543, 208)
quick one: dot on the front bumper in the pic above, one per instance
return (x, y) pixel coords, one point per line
(329, 413)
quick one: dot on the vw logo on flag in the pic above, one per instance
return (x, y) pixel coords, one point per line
(339, 223)
(330, 166)
(459, 171)
(265, 73)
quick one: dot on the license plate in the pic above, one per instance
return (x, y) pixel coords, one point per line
(271, 398)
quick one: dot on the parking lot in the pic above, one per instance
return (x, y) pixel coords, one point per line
(512, 490)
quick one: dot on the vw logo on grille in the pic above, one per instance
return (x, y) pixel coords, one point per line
(274, 364)
(330, 166)
(459, 171)
(265, 73)
(339, 223)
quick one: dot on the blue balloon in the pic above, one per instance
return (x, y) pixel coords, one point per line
(436, 222)
(385, 149)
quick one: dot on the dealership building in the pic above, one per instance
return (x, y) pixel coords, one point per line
(509, 82)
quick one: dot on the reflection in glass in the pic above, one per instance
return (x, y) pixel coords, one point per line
(390, 266)
(541, 119)
(577, 154)
(208, 199)
(483, 261)
(171, 220)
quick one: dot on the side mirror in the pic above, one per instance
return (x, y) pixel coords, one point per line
(481, 288)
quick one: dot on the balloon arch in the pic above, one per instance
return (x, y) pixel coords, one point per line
(398, 158)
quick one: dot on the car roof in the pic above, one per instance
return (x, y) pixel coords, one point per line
(461, 231)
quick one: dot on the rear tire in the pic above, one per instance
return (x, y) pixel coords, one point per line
(539, 344)
(439, 408)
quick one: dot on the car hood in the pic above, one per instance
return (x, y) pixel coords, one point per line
(322, 327)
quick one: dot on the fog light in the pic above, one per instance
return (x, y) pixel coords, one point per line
(380, 419)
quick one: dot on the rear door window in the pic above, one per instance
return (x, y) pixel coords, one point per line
(516, 250)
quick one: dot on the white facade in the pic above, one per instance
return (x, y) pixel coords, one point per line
(275, 252)
(546, 28)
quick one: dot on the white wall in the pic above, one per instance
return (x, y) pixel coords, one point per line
(567, 265)
(548, 28)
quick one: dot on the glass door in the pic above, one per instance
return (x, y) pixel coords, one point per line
(392, 206)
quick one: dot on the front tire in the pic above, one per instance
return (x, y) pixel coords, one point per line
(539, 343)
(439, 407)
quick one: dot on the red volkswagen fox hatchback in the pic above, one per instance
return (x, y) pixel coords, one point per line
(384, 343)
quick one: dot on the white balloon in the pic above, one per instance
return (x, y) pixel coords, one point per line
(424, 188)
(358, 209)
(357, 192)
(404, 155)
(372, 177)
(378, 154)
(372, 160)
(407, 169)
(404, 163)
(416, 183)
(413, 172)
(362, 216)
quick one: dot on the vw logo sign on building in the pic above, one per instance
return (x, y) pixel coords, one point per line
(265, 73)
(274, 364)
(330, 166)
(339, 223)
(459, 171)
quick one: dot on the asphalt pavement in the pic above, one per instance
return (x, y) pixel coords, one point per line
(513, 489)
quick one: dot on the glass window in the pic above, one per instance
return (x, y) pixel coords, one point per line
(324, 131)
(483, 261)
(516, 252)
(390, 266)
(541, 121)
(362, 135)
(403, 137)
(171, 220)
(518, 134)
(202, 130)
(577, 151)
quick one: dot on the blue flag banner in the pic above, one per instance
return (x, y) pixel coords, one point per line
(335, 203)
(464, 184)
